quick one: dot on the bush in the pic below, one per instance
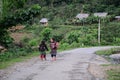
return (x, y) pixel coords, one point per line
(110, 33)
(15, 52)
(58, 38)
(33, 42)
(63, 46)
(46, 34)
(72, 37)
(21, 16)
(108, 52)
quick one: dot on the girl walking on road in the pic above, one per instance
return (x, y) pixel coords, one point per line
(43, 48)
(53, 47)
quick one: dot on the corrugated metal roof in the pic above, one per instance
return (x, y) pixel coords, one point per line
(117, 16)
(82, 15)
(44, 20)
(102, 14)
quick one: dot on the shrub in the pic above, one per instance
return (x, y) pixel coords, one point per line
(108, 52)
(110, 33)
(63, 46)
(20, 16)
(15, 52)
(33, 42)
(58, 38)
(46, 34)
(72, 37)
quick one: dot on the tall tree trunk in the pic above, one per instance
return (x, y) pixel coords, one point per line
(52, 1)
(0, 9)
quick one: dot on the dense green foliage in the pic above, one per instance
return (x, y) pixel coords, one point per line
(20, 16)
(15, 52)
(65, 9)
(46, 34)
(68, 31)
(9, 6)
(58, 11)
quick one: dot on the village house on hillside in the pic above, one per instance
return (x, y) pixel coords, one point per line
(101, 14)
(82, 16)
(117, 17)
(2, 49)
(44, 21)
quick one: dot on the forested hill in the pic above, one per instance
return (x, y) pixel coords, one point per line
(69, 8)
(13, 12)
(63, 8)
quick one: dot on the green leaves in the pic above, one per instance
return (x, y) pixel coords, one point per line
(113, 74)
(46, 34)
(108, 51)
(72, 37)
(21, 16)
(14, 52)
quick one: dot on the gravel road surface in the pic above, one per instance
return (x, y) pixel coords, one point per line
(76, 64)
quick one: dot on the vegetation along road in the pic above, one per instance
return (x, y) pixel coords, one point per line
(77, 64)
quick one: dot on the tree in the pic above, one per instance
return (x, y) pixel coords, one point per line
(46, 34)
(0, 9)
(111, 2)
(21, 16)
(9, 6)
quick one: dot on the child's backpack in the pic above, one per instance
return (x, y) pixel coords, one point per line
(53, 45)
(42, 48)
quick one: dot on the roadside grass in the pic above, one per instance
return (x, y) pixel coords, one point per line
(108, 51)
(113, 70)
(11, 62)
(113, 75)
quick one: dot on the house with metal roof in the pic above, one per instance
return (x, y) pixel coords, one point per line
(117, 17)
(100, 14)
(44, 21)
(82, 16)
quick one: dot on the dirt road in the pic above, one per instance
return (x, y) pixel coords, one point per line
(77, 64)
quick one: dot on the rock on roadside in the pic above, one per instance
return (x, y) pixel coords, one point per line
(115, 58)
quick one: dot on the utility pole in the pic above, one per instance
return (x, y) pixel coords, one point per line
(99, 32)
(100, 15)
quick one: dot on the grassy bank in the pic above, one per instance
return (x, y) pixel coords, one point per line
(108, 52)
(113, 74)
(112, 70)
(10, 62)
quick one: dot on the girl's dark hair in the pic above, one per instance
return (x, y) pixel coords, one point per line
(53, 39)
(43, 42)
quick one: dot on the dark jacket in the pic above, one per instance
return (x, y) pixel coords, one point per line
(43, 47)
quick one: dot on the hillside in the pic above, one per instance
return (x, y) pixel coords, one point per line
(21, 32)
(58, 12)
(62, 25)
